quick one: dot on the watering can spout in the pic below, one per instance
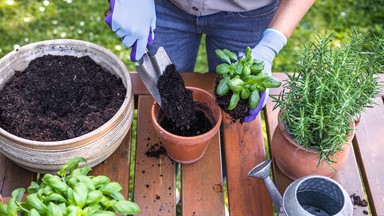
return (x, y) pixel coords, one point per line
(261, 171)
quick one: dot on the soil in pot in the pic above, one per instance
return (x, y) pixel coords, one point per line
(179, 114)
(59, 97)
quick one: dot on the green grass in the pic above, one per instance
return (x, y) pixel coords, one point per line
(27, 21)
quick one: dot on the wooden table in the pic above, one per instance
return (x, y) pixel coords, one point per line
(241, 147)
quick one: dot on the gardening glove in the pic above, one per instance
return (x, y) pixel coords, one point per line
(271, 44)
(134, 22)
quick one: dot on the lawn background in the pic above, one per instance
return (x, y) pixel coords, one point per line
(28, 21)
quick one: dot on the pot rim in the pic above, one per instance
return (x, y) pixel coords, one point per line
(106, 126)
(214, 129)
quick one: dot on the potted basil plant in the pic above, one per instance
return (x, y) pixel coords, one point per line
(332, 85)
(240, 82)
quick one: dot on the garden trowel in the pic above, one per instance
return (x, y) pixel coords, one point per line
(150, 68)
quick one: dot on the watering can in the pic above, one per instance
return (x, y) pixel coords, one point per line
(310, 195)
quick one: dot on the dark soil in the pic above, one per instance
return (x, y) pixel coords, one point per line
(357, 201)
(179, 114)
(59, 97)
(239, 112)
(156, 151)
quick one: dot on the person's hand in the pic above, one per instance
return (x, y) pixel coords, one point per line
(134, 21)
(271, 44)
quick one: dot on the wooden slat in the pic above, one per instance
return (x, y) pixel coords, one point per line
(202, 183)
(244, 148)
(116, 166)
(13, 176)
(155, 186)
(348, 176)
(369, 145)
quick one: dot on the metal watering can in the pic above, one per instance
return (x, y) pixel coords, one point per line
(307, 196)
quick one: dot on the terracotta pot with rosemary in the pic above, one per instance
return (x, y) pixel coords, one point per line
(318, 103)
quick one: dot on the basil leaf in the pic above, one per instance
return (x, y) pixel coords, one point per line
(254, 99)
(234, 100)
(126, 207)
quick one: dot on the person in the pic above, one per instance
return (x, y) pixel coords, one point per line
(178, 26)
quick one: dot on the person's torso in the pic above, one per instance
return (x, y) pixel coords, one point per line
(207, 7)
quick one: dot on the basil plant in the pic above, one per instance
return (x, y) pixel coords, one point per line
(243, 77)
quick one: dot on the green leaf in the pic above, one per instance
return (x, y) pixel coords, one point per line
(54, 210)
(222, 88)
(12, 207)
(246, 71)
(234, 100)
(256, 79)
(257, 67)
(236, 84)
(55, 197)
(33, 212)
(100, 180)
(220, 54)
(34, 202)
(55, 182)
(3, 208)
(245, 93)
(73, 210)
(126, 207)
(230, 54)
(104, 213)
(80, 193)
(18, 193)
(94, 197)
(271, 82)
(222, 69)
(33, 188)
(111, 188)
(71, 165)
(90, 210)
(117, 196)
(254, 99)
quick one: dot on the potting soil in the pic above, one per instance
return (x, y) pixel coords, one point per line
(59, 97)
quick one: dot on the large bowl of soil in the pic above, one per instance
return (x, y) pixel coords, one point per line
(94, 135)
(188, 145)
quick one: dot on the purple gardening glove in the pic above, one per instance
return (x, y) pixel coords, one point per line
(134, 22)
(271, 44)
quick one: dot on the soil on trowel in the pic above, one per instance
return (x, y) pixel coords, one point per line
(59, 97)
(179, 114)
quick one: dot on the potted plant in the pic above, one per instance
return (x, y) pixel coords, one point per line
(318, 104)
(187, 119)
(241, 84)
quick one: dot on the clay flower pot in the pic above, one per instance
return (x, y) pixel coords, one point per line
(189, 149)
(295, 161)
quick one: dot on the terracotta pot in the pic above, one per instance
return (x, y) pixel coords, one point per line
(95, 146)
(295, 162)
(189, 149)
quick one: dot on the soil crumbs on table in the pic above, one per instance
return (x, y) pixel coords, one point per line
(179, 114)
(59, 97)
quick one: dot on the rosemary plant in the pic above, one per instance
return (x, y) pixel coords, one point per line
(331, 86)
